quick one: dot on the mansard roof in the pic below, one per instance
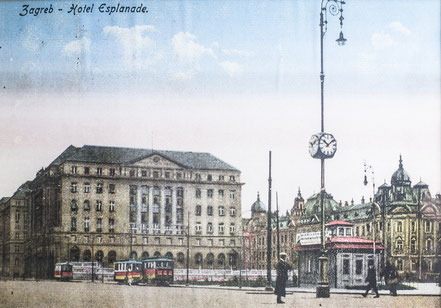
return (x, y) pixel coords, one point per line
(117, 155)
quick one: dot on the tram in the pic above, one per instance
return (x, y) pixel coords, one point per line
(129, 271)
(63, 271)
(157, 270)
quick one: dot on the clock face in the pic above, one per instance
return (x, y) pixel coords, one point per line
(313, 145)
(327, 145)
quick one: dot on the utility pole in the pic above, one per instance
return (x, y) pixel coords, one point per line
(188, 244)
(268, 230)
(278, 230)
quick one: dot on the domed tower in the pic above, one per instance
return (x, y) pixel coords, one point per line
(401, 184)
(421, 192)
(258, 207)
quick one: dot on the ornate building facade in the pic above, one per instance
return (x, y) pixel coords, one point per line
(108, 203)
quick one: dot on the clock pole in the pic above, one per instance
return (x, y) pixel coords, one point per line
(335, 8)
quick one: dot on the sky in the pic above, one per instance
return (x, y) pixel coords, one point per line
(233, 78)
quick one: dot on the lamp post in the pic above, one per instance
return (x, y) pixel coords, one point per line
(268, 286)
(323, 145)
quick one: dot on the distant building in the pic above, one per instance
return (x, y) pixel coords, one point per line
(108, 203)
(14, 231)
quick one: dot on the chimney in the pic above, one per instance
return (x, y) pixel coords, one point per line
(362, 200)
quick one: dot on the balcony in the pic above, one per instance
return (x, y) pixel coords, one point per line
(155, 208)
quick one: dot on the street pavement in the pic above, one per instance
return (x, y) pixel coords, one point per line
(87, 294)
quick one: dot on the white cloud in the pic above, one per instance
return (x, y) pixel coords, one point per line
(232, 68)
(76, 47)
(139, 50)
(235, 52)
(382, 40)
(399, 27)
(187, 49)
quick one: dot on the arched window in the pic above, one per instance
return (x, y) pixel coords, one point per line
(210, 259)
(87, 255)
(399, 244)
(133, 255)
(413, 245)
(99, 256)
(181, 258)
(157, 254)
(74, 254)
(144, 255)
(198, 258)
(111, 256)
(169, 255)
(221, 259)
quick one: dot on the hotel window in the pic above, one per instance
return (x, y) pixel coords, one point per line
(221, 242)
(74, 169)
(143, 173)
(86, 224)
(99, 171)
(73, 238)
(86, 205)
(99, 188)
(198, 228)
(399, 226)
(112, 206)
(210, 242)
(412, 224)
(145, 240)
(221, 192)
(357, 231)
(209, 177)
(198, 243)
(17, 216)
(99, 205)
(155, 174)
(209, 210)
(221, 211)
(197, 176)
(100, 239)
(232, 211)
(180, 192)
(179, 175)
(348, 232)
(73, 224)
(221, 178)
(341, 231)
(209, 227)
(111, 188)
(209, 193)
(111, 225)
(221, 228)
(112, 171)
(232, 242)
(232, 178)
(181, 241)
(368, 228)
(198, 210)
(167, 175)
(86, 187)
(232, 228)
(232, 194)
(132, 173)
(73, 205)
(198, 192)
(86, 170)
(99, 224)
(157, 241)
(73, 187)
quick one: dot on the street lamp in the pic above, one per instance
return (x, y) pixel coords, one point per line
(323, 145)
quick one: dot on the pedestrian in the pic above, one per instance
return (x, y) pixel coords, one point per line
(371, 279)
(393, 280)
(386, 272)
(282, 268)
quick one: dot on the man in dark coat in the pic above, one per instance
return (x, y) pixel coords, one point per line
(282, 268)
(371, 279)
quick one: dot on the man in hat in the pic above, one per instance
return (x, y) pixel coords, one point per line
(282, 268)
(371, 279)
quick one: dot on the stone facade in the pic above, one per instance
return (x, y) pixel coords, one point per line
(106, 203)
